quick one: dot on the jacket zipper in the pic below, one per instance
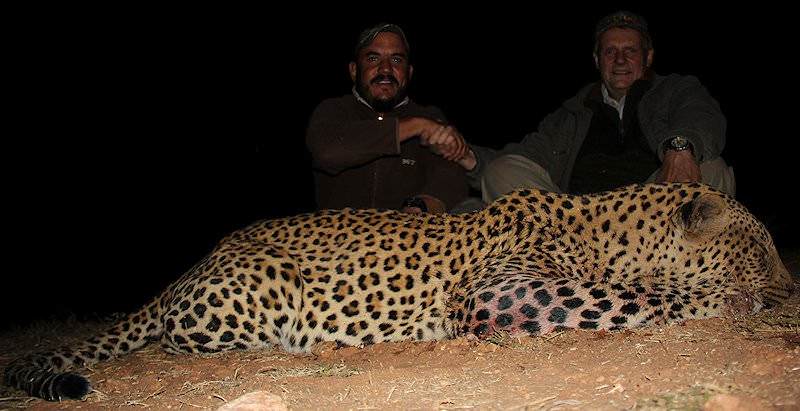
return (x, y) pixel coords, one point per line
(374, 194)
(374, 185)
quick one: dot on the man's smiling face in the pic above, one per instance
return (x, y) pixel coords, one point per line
(621, 59)
(382, 71)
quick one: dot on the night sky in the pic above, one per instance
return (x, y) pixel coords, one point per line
(136, 138)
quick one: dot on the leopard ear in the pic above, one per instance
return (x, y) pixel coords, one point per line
(703, 217)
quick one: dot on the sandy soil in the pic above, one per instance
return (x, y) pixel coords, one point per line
(750, 363)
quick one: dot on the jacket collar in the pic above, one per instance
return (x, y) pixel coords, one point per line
(364, 102)
(593, 93)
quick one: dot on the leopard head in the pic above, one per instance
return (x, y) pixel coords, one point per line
(727, 246)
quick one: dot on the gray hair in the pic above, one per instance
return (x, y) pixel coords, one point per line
(367, 36)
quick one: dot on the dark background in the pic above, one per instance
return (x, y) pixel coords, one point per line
(135, 138)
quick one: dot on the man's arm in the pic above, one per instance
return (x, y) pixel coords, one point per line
(338, 139)
(549, 147)
(679, 166)
(696, 116)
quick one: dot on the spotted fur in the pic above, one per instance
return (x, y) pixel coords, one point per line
(530, 263)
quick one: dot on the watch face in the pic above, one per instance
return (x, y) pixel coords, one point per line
(679, 142)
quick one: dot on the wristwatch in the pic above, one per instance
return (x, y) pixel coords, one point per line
(678, 143)
(415, 202)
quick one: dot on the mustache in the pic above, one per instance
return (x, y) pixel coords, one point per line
(384, 77)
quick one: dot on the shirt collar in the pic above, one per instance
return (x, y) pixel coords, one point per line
(618, 105)
(364, 102)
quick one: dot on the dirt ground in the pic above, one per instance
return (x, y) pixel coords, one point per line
(749, 363)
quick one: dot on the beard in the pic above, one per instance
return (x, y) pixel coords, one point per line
(381, 105)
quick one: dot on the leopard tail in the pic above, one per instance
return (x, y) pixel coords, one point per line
(48, 374)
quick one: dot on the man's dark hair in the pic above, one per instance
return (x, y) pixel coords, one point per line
(367, 36)
(623, 19)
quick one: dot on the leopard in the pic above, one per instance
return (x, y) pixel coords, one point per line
(530, 263)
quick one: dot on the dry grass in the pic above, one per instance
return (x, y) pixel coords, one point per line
(782, 321)
(316, 370)
(692, 398)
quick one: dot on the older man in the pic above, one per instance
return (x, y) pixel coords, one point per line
(631, 126)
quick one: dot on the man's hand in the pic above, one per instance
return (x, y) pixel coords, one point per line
(445, 141)
(469, 161)
(679, 167)
(442, 139)
(411, 210)
(411, 127)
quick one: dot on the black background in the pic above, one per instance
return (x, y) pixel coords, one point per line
(136, 137)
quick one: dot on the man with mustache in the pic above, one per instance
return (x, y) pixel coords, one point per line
(375, 147)
(632, 126)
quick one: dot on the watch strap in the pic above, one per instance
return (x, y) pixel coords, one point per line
(415, 202)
